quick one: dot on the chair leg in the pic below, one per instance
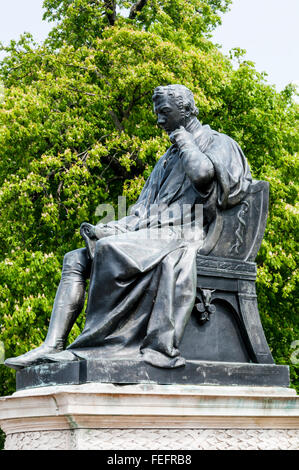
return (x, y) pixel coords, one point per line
(252, 323)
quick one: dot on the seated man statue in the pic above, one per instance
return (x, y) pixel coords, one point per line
(143, 288)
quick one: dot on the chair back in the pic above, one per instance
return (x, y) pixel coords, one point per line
(237, 233)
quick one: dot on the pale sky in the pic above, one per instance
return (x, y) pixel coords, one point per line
(267, 29)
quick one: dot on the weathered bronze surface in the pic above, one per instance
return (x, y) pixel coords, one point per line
(166, 295)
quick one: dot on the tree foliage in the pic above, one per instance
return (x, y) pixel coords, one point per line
(77, 130)
(80, 22)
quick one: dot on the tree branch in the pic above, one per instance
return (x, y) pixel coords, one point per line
(110, 7)
(134, 101)
(136, 8)
(94, 70)
(116, 120)
(83, 92)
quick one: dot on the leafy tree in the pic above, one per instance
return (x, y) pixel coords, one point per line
(77, 130)
(82, 21)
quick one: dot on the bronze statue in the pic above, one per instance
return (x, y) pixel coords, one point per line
(143, 289)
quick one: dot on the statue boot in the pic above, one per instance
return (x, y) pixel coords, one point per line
(68, 304)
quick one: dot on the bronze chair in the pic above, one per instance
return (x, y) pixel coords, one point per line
(230, 327)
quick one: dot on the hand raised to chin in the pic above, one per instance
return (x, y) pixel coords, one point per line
(180, 137)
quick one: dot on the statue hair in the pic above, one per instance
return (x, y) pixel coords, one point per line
(182, 95)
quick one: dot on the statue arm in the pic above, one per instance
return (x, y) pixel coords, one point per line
(196, 164)
(96, 232)
(198, 167)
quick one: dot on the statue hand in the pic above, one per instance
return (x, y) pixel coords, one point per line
(103, 231)
(88, 230)
(180, 137)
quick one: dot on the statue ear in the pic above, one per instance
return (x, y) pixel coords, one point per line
(187, 111)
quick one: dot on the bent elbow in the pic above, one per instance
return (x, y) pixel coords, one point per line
(204, 176)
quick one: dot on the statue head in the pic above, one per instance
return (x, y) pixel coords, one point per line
(174, 106)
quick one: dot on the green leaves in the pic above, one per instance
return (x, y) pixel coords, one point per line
(77, 130)
(80, 22)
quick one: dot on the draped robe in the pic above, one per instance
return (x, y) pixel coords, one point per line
(143, 287)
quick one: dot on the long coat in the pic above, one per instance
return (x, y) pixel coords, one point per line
(143, 278)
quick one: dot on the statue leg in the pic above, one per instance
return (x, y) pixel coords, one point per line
(67, 306)
(69, 299)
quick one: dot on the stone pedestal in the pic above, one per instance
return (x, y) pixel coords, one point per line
(148, 416)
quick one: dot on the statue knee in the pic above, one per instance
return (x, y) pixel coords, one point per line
(76, 261)
(70, 258)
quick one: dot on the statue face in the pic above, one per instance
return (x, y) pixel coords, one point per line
(170, 116)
